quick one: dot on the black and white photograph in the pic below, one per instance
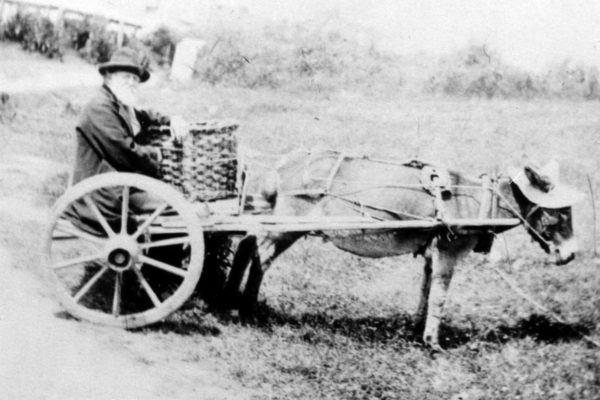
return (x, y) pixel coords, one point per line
(299, 200)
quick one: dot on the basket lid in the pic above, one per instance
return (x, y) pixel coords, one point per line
(214, 126)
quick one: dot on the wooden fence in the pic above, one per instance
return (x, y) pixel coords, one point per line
(57, 14)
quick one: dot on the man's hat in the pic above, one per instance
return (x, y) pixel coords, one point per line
(543, 187)
(127, 59)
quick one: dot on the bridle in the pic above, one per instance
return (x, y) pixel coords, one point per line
(537, 235)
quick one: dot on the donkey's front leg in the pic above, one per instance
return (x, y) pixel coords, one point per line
(442, 268)
(444, 257)
(421, 315)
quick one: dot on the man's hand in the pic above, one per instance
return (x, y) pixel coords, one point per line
(179, 128)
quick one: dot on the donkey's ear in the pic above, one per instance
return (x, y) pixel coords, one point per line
(541, 182)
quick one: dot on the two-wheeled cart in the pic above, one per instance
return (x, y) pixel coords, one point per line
(119, 261)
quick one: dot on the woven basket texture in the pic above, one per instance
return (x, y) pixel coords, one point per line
(204, 167)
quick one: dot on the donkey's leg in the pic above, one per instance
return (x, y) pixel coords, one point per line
(419, 320)
(265, 254)
(242, 258)
(249, 298)
(442, 269)
(445, 255)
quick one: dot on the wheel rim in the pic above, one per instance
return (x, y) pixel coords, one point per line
(114, 264)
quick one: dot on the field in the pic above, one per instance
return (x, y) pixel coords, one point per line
(332, 325)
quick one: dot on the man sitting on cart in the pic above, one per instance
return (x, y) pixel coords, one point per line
(108, 133)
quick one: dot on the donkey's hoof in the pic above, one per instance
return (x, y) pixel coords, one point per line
(435, 349)
(432, 344)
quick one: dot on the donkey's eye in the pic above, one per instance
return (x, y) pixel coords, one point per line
(563, 217)
(549, 219)
(565, 214)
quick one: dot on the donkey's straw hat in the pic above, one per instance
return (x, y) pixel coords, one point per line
(547, 190)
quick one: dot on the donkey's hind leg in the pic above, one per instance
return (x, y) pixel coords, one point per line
(230, 296)
(265, 253)
(421, 314)
(249, 298)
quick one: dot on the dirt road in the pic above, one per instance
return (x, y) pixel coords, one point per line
(46, 356)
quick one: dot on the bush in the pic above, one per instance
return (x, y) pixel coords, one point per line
(35, 33)
(162, 43)
(479, 72)
(88, 36)
(91, 38)
(292, 55)
(573, 81)
(16, 28)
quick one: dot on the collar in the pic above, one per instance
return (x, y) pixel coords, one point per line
(109, 93)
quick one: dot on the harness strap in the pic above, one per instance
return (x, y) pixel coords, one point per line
(307, 178)
(531, 211)
(334, 171)
(495, 198)
(487, 198)
(361, 207)
(440, 210)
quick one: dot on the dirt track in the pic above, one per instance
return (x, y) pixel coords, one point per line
(47, 356)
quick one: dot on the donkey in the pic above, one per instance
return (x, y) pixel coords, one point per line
(328, 183)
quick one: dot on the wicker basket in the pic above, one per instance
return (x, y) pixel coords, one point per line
(205, 166)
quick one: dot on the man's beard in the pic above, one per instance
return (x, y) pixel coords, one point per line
(125, 95)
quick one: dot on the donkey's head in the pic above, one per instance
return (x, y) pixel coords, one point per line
(546, 207)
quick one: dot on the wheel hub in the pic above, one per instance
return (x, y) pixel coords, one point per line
(119, 258)
(121, 252)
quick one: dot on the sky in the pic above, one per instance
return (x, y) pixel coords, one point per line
(527, 33)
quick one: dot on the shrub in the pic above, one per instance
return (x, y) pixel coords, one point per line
(35, 32)
(478, 72)
(293, 55)
(236, 59)
(88, 36)
(91, 38)
(573, 81)
(77, 32)
(16, 28)
(162, 43)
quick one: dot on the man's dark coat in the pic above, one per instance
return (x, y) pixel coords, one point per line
(105, 140)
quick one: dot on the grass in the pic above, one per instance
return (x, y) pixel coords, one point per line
(335, 326)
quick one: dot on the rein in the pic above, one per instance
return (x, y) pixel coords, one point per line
(523, 219)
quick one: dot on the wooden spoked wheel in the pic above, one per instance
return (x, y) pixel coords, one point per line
(123, 250)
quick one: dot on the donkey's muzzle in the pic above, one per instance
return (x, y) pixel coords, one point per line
(564, 261)
(565, 253)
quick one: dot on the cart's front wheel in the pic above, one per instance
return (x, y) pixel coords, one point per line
(123, 249)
